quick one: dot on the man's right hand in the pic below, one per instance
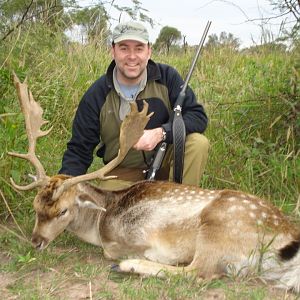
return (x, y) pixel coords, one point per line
(149, 139)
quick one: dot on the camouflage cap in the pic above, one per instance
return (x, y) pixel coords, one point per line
(130, 31)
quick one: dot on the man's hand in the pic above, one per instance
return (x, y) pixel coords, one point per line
(149, 139)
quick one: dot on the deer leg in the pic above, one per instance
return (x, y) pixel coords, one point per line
(214, 252)
(114, 250)
(148, 268)
(218, 249)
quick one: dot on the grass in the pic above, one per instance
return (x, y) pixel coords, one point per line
(252, 100)
(69, 265)
(70, 269)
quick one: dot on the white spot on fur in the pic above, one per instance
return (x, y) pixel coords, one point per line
(232, 209)
(264, 215)
(231, 199)
(259, 222)
(252, 215)
(253, 206)
(246, 201)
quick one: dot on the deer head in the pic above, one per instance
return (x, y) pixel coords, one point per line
(57, 201)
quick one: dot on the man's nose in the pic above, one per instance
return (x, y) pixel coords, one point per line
(132, 54)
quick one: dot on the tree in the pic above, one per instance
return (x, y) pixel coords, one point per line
(135, 11)
(60, 15)
(167, 37)
(16, 13)
(291, 9)
(223, 40)
(93, 20)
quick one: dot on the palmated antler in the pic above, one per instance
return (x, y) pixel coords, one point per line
(32, 112)
(131, 130)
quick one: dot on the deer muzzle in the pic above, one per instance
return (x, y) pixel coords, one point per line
(39, 242)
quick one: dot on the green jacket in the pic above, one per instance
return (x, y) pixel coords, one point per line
(97, 121)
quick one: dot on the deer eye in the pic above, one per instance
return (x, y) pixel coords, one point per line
(63, 212)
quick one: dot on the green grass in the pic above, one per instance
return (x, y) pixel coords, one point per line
(252, 100)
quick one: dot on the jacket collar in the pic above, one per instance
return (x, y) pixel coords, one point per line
(153, 72)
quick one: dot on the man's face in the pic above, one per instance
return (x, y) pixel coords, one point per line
(131, 59)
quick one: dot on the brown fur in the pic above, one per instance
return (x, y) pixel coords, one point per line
(166, 224)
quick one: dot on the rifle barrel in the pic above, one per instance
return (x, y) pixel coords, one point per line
(196, 57)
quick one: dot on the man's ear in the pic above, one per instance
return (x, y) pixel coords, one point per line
(112, 52)
(150, 52)
(85, 201)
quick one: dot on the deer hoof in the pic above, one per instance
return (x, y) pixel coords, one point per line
(115, 268)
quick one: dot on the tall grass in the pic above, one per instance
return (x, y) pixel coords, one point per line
(251, 100)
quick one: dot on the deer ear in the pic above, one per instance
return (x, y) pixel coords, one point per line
(85, 201)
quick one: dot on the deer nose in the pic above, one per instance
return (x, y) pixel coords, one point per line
(39, 242)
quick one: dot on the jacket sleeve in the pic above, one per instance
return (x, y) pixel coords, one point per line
(193, 113)
(85, 136)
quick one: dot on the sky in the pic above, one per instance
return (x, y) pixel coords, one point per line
(242, 18)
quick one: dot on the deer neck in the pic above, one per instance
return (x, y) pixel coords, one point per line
(85, 224)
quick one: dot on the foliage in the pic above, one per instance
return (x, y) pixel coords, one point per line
(93, 20)
(266, 47)
(252, 98)
(288, 9)
(62, 15)
(223, 40)
(15, 13)
(167, 37)
(135, 12)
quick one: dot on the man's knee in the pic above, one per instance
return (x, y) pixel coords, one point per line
(197, 142)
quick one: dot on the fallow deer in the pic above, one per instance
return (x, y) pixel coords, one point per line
(162, 227)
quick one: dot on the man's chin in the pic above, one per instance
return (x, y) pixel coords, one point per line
(133, 74)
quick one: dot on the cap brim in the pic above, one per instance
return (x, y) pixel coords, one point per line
(130, 37)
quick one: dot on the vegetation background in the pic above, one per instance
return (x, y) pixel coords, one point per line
(252, 97)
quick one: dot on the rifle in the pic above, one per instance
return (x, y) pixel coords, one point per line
(178, 127)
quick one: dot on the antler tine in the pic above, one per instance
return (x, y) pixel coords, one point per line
(131, 130)
(32, 112)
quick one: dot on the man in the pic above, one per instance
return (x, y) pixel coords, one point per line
(133, 76)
